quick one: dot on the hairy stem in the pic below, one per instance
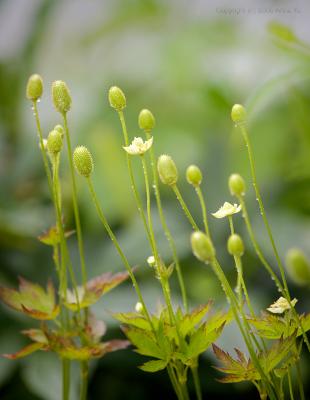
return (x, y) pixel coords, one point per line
(185, 208)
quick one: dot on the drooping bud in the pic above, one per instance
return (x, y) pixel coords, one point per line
(117, 98)
(235, 245)
(60, 129)
(34, 88)
(167, 170)
(146, 120)
(83, 161)
(202, 247)
(236, 185)
(139, 307)
(193, 175)
(238, 114)
(54, 142)
(61, 97)
(298, 266)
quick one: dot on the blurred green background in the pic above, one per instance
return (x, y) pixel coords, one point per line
(188, 62)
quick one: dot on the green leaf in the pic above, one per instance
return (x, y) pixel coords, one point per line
(52, 237)
(216, 320)
(31, 299)
(36, 335)
(144, 342)
(154, 365)
(200, 340)
(189, 321)
(133, 319)
(277, 352)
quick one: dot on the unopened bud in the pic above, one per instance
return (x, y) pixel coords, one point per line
(238, 114)
(151, 261)
(193, 175)
(117, 98)
(235, 245)
(236, 185)
(298, 266)
(139, 307)
(60, 129)
(202, 247)
(34, 88)
(83, 161)
(146, 120)
(54, 142)
(167, 170)
(61, 97)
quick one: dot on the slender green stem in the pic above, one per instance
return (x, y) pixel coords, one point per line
(299, 380)
(175, 382)
(290, 386)
(196, 383)
(185, 208)
(131, 176)
(118, 248)
(65, 379)
(75, 203)
(267, 266)
(84, 379)
(261, 205)
(166, 229)
(203, 209)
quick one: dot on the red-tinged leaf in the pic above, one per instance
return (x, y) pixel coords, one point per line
(31, 299)
(31, 348)
(36, 335)
(106, 282)
(95, 288)
(116, 344)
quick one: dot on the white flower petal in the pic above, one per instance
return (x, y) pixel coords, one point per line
(226, 210)
(281, 305)
(71, 295)
(138, 146)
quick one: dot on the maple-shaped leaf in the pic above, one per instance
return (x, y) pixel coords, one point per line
(277, 353)
(274, 326)
(238, 370)
(51, 237)
(31, 299)
(189, 321)
(95, 288)
(31, 348)
(133, 319)
(144, 341)
(154, 365)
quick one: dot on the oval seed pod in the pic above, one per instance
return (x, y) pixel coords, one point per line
(193, 175)
(61, 97)
(298, 266)
(54, 142)
(34, 88)
(83, 161)
(117, 98)
(146, 120)
(235, 245)
(202, 247)
(236, 185)
(238, 113)
(167, 170)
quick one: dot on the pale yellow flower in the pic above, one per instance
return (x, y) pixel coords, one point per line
(226, 210)
(281, 305)
(138, 146)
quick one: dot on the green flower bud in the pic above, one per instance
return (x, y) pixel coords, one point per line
(202, 247)
(117, 98)
(193, 175)
(167, 170)
(146, 120)
(60, 129)
(61, 97)
(236, 185)
(238, 113)
(298, 266)
(54, 142)
(34, 88)
(235, 245)
(83, 161)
